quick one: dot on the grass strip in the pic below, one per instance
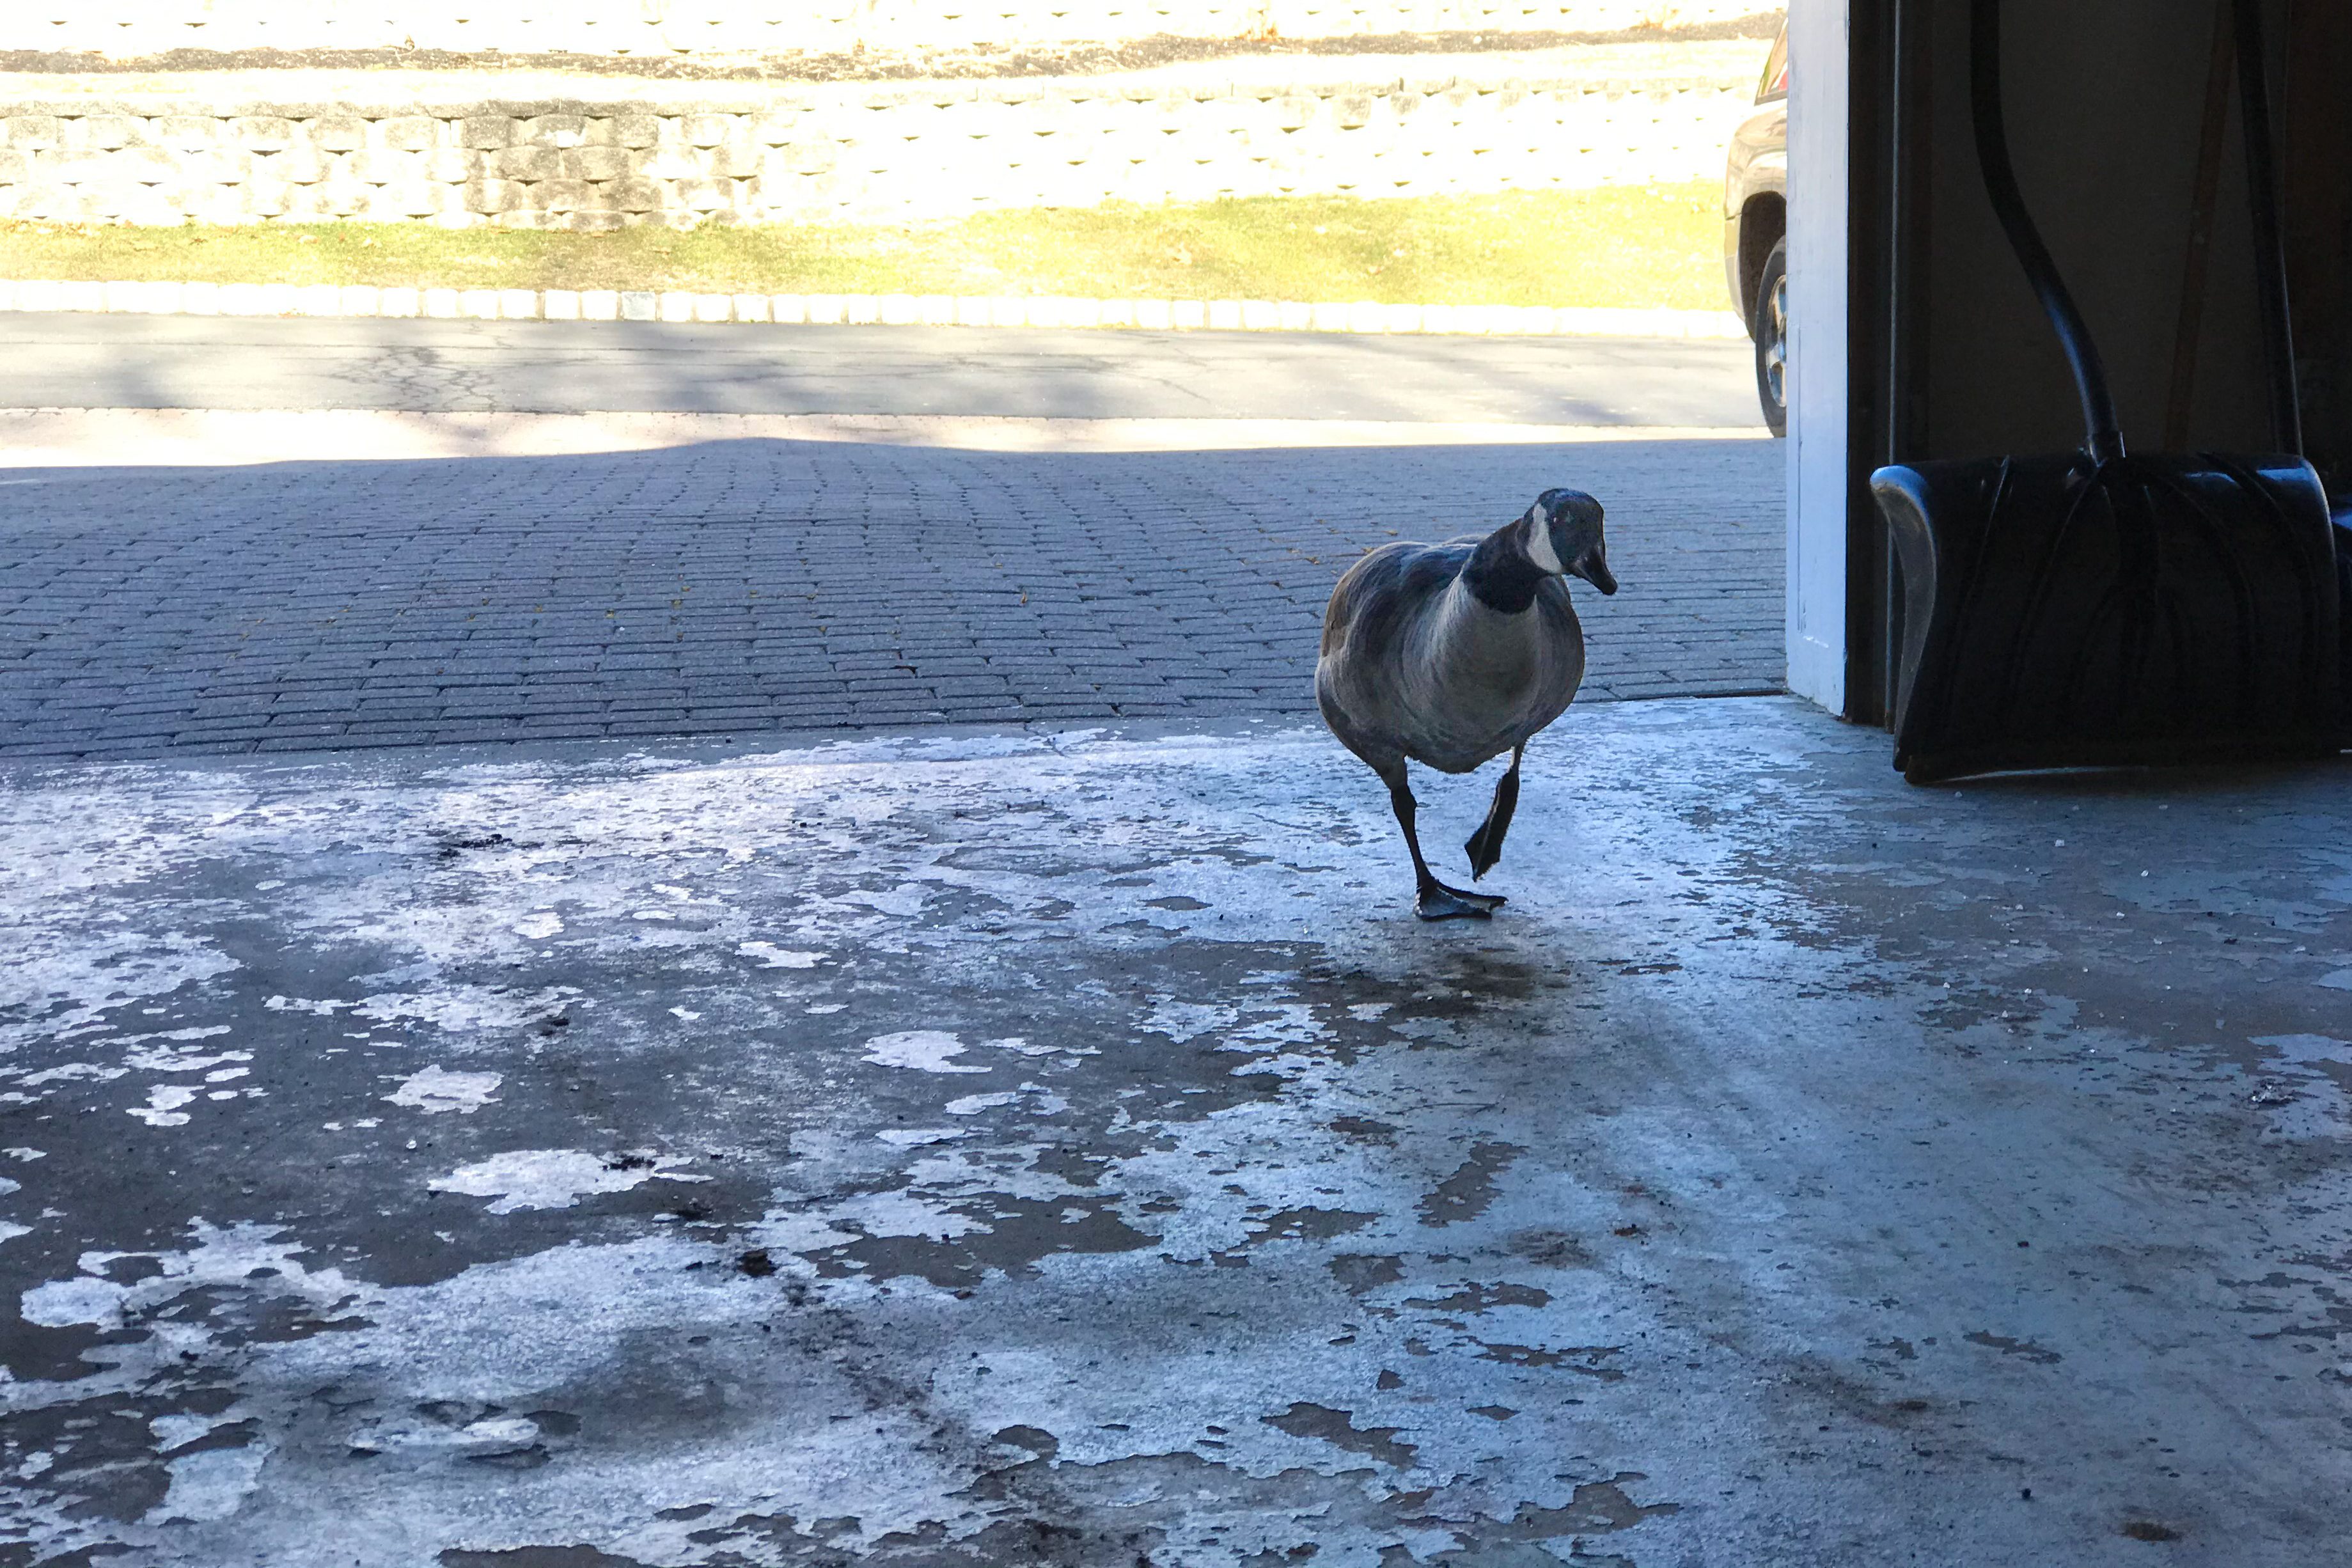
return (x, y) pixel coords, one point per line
(1624, 246)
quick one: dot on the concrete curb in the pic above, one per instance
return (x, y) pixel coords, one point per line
(36, 295)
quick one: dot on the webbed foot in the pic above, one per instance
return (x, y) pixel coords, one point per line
(1439, 902)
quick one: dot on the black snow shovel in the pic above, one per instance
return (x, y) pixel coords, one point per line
(2096, 608)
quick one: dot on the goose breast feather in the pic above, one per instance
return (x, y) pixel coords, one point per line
(1414, 667)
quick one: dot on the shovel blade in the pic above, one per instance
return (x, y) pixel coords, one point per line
(2167, 608)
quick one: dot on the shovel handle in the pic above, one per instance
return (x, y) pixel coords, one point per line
(2102, 438)
(2270, 253)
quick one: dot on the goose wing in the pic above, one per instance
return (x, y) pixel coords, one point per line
(1377, 597)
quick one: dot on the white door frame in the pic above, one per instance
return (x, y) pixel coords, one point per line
(1817, 384)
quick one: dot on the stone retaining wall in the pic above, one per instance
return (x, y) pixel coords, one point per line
(135, 29)
(845, 151)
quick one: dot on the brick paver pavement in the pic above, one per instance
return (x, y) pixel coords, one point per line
(764, 585)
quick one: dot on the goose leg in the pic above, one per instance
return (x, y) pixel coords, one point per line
(1486, 845)
(1433, 900)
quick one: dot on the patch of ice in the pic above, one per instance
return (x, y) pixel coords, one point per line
(904, 1213)
(163, 1059)
(10, 1228)
(687, 1014)
(1029, 1047)
(924, 1050)
(973, 1104)
(210, 1484)
(538, 925)
(67, 1071)
(550, 1178)
(771, 956)
(226, 1258)
(327, 1009)
(171, 1431)
(67, 1303)
(163, 1107)
(22, 1154)
(1365, 1012)
(437, 1089)
(905, 901)
(464, 1008)
(2339, 981)
(1183, 1021)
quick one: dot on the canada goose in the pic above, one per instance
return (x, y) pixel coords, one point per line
(1452, 654)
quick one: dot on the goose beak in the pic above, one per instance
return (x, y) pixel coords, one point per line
(1594, 569)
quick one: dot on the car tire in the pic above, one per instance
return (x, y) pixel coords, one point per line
(1769, 327)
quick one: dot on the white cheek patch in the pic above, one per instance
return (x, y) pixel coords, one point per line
(1539, 550)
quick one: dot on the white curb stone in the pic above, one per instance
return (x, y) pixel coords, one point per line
(1363, 316)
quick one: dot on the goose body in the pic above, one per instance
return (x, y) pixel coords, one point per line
(1415, 667)
(1450, 655)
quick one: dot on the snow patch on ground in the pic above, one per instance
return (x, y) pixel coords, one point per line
(924, 1050)
(210, 1484)
(437, 1089)
(464, 1009)
(551, 1178)
(771, 956)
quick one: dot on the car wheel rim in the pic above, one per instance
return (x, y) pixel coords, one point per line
(1776, 341)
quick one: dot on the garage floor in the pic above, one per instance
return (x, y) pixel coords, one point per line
(1009, 1147)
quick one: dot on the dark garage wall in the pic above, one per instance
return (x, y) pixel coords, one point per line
(2105, 101)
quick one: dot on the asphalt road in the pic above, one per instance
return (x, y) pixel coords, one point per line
(191, 362)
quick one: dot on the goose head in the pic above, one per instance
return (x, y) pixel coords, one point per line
(1563, 538)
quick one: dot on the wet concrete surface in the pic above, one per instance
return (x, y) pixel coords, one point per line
(1066, 1148)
